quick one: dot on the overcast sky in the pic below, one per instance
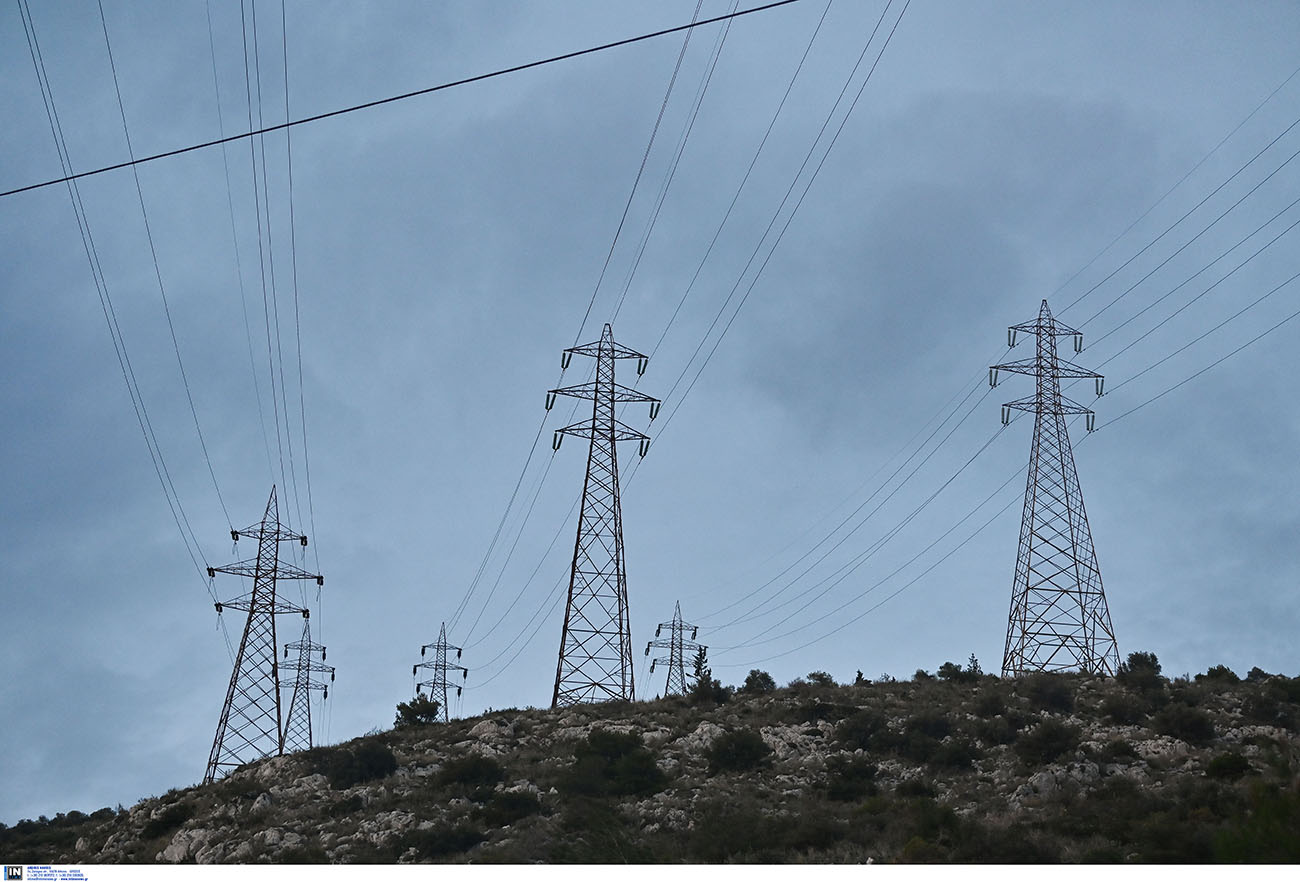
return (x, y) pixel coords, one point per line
(446, 249)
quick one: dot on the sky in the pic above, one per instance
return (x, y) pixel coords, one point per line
(828, 486)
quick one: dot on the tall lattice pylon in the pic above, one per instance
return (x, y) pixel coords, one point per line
(1059, 620)
(297, 726)
(438, 685)
(250, 724)
(677, 646)
(596, 643)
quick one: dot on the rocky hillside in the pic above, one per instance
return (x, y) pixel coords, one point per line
(955, 767)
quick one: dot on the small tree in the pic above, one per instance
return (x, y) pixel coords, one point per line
(419, 711)
(821, 678)
(973, 667)
(706, 688)
(758, 683)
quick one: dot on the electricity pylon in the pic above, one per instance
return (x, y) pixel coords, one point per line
(250, 724)
(438, 684)
(297, 728)
(676, 645)
(596, 643)
(1059, 620)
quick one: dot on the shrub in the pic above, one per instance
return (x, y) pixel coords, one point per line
(473, 770)
(990, 704)
(1228, 765)
(737, 751)
(168, 820)
(1002, 729)
(441, 840)
(1124, 709)
(758, 683)
(508, 807)
(613, 764)
(821, 678)
(1047, 741)
(706, 689)
(1267, 834)
(1219, 674)
(953, 673)
(419, 711)
(1141, 672)
(1049, 692)
(858, 730)
(955, 753)
(1119, 750)
(1186, 723)
(932, 723)
(850, 778)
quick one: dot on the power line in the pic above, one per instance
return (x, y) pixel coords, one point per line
(69, 176)
(153, 253)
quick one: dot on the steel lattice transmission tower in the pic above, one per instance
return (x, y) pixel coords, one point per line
(297, 727)
(438, 684)
(1059, 620)
(596, 643)
(250, 724)
(677, 645)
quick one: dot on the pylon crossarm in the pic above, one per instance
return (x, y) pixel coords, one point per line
(1027, 366)
(593, 429)
(594, 350)
(317, 667)
(1070, 371)
(245, 603)
(588, 391)
(248, 569)
(280, 534)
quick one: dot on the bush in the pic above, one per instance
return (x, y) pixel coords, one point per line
(953, 673)
(737, 751)
(1049, 692)
(1141, 672)
(859, 729)
(955, 754)
(1219, 674)
(1119, 750)
(1047, 741)
(508, 807)
(821, 678)
(1186, 723)
(168, 820)
(1124, 709)
(419, 711)
(1228, 765)
(758, 683)
(441, 841)
(1267, 834)
(473, 770)
(990, 704)
(850, 778)
(613, 764)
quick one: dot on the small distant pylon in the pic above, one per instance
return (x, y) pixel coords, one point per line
(438, 684)
(1059, 619)
(250, 724)
(297, 728)
(677, 645)
(595, 661)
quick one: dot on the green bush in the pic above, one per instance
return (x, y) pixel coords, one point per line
(1047, 741)
(611, 763)
(1268, 834)
(820, 678)
(168, 820)
(472, 770)
(990, 704)
(419, 711)
(955, 753)
(1124, 709)
(1219, 674)
(1186, 723)
(850, 778)
(441, 841)
(758, 683)
(347, 767)
(1141, 672)
(508, 807)
(737, 751)
(1118, 751)
(1052, 692)
(954, 673)
(1228, 765)
(860, 729)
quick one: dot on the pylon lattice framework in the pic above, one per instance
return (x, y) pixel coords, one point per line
(297, 726)
(438, 684)
(595, 662)
(677, 646)
(250, 724)
(1059, 619)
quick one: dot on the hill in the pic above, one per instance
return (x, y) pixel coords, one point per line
(955, 767)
